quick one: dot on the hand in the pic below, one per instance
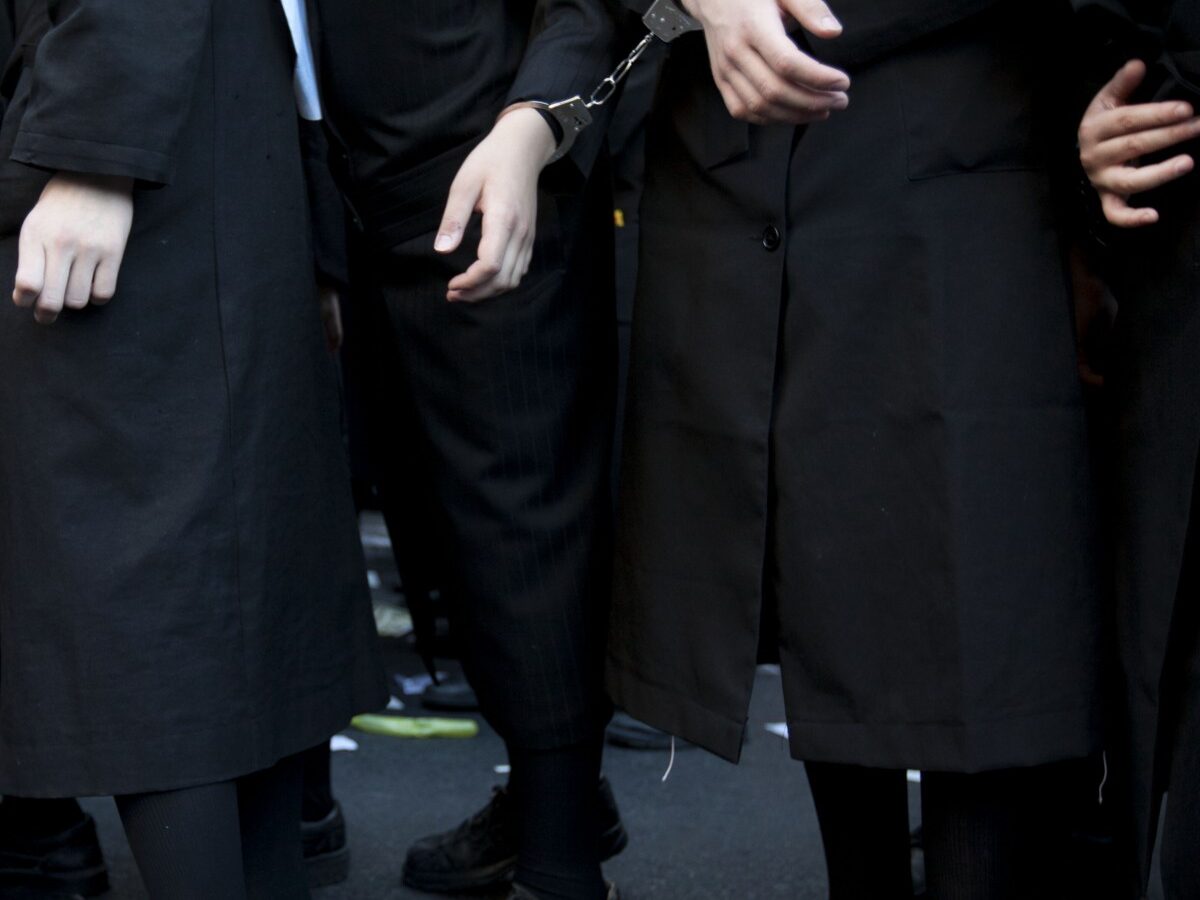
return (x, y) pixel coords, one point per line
(761, 73)
(1114, 134)
(72, 244)
(498, 179)
(331, 317)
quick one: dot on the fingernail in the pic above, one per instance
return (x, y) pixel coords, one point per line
(831, 24)
(444, 242)
(841, 101)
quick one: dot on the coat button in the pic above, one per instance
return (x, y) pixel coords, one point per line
(771, 239)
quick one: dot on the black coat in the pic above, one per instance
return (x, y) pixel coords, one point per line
(1154, 387)
(182, 594)
(854, 421)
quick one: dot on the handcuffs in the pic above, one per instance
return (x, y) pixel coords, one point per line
(665, 22)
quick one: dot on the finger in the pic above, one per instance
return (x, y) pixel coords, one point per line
(751, 106)
(1120, 150)
(460, 206)
(791, 64)
(79, 282)
(31, 270)
(498, 225)
(1121, 87)
(1128, 180)
(1130, 120)
(54, 291)
(1119, 213)
(782, 100)
(817, 18)
(104, 284)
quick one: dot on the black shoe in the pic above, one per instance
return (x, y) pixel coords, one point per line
(66, 864)
(454, 695)
(326, 856)
(481, 853)
(522, 893)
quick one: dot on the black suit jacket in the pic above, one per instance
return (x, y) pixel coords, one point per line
(411, 89)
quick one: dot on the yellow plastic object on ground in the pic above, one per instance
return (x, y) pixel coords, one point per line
(410, 727)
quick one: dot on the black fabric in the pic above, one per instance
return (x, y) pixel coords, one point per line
(318, 783)
(187, 843)
(995, 836)
(863, 814)
(24, 819)
(269, 809)
(412, 86)
(558, 818)
(991, 836)
(182, 587)
(231, 840)
(500, 413)
(842, 395)
(1179, 732)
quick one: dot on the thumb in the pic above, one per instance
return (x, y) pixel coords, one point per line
(815, 17)
(460, 205)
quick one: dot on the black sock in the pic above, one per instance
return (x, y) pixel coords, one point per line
(25, 820)
(318, 785)
(994, 836)
(269, 805)
(556, 795)
(863, 815)
(187, 843)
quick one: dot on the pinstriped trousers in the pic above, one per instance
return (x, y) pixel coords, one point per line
(501, 412)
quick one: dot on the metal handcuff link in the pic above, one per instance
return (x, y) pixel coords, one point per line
(665, 21)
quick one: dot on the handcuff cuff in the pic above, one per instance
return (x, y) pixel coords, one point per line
(665, 22)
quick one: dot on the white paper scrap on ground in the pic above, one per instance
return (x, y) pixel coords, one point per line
(416, 684)
(395, 704)
(778, 728)
(340, 743)
(502, 769)
(914, 776)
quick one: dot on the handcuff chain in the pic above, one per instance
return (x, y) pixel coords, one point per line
(605, 90)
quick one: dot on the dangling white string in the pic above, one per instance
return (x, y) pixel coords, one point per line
(1104, 780)
(671, 764)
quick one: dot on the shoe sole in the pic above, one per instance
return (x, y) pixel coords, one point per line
(326, 869)
(612, 842)
(85, 882)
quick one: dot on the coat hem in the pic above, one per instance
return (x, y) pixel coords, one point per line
(675, 713)
(228, 752)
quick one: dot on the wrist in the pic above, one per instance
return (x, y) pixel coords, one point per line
(529, 130)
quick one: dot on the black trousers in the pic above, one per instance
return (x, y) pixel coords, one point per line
(501, 414)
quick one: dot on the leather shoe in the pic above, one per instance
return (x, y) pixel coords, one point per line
(326, 855)
(62, 865)
(481, 853)
(522, 893)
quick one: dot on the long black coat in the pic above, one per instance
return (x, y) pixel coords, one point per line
(854, 419)
(182, 595)
(1154, 384)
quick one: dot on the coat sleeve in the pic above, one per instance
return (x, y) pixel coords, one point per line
(576, 43)
(112, 87)
(1165, 34)
(327, 209)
